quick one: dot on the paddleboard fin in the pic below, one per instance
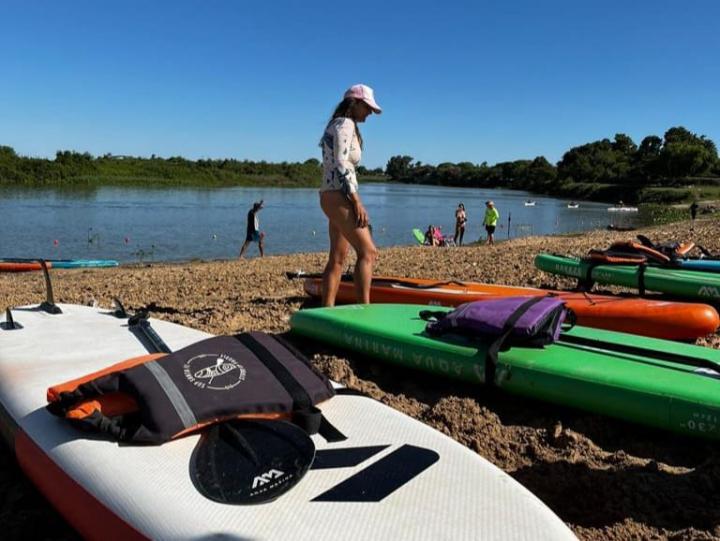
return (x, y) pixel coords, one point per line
(9, 324)
(48, 305)
(119, 309)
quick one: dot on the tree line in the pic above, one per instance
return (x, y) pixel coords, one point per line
(71, 167)
(658, 169)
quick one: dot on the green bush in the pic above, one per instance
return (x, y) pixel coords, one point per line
(664, 195)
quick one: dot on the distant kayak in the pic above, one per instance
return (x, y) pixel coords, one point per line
(29, 264)
(659, 319)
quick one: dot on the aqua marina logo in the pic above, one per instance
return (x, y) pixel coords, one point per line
(267, 477)
(709, 291)
(214, 372)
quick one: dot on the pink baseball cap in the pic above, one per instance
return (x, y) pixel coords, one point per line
(364, 93)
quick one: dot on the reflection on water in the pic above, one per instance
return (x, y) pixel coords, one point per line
(159, 224)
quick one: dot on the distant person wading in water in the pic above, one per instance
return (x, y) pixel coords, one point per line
(348, 220)
(490, 222)
(253, 233)
(460, 219)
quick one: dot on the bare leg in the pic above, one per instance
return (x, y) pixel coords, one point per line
(244, 247)
(332, 274)
(261, 245)
(340, 214)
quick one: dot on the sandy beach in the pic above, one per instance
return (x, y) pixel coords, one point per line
(607, 479)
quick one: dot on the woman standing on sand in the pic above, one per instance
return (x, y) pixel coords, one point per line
(460, 219)
(339, 199)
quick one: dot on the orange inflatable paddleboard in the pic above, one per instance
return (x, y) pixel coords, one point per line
(12, 266)
(656, 318)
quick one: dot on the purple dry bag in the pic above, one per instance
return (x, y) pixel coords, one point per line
(511, 321)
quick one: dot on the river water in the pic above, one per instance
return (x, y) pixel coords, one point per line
(177, 224)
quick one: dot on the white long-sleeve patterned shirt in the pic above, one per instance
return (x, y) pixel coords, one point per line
(341, 155)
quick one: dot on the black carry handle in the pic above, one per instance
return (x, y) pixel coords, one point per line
(141, 328)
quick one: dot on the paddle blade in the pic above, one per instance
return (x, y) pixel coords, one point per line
(248, 462)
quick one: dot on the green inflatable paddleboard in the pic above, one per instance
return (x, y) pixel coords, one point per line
(655, 382)
(687, 284)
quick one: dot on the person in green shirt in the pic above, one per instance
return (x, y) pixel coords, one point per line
(490, 222)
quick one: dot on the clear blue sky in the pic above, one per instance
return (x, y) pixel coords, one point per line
(459, 81)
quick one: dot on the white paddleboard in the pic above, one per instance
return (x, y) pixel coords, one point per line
(416, 483)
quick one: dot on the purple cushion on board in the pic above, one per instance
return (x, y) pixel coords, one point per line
(488, 318)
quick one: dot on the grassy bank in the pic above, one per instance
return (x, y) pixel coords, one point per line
(632, 193)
